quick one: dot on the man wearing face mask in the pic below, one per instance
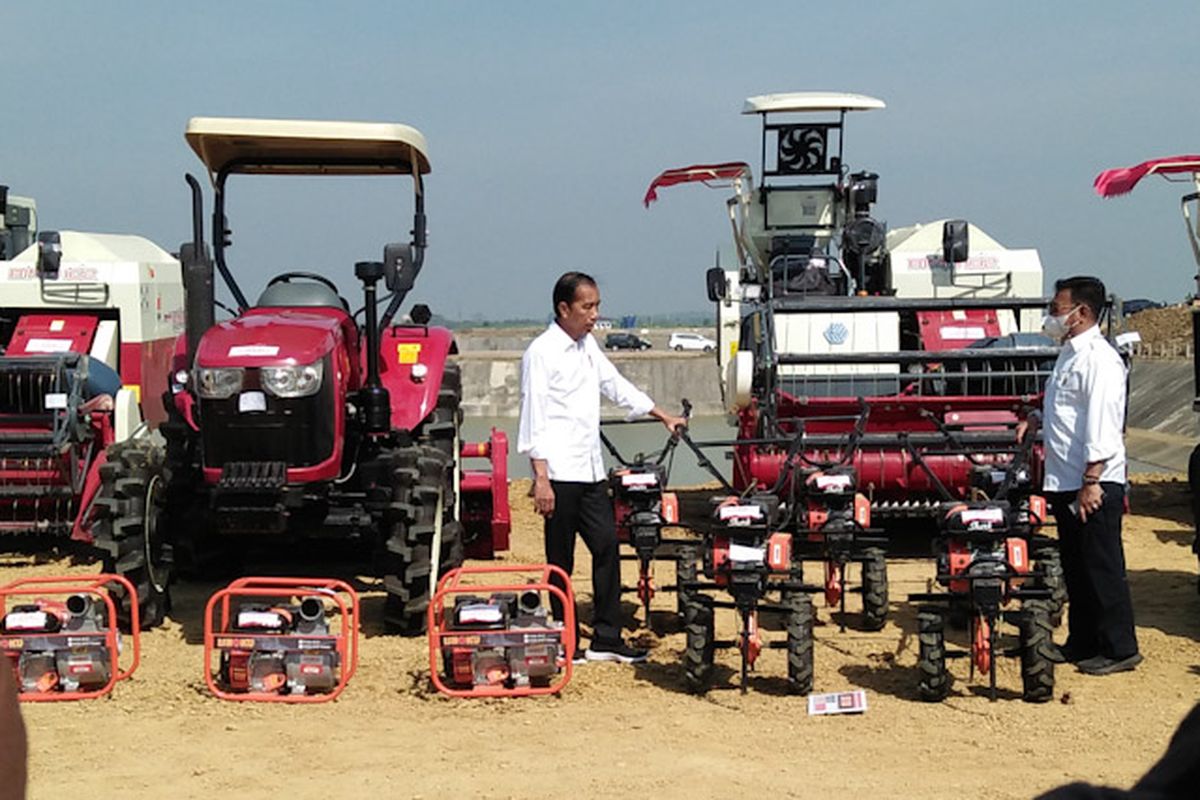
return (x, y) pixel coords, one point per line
(1083, 423)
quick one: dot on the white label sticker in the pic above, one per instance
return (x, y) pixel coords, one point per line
(48, 346)
(253, 350)
(742, 554)
(26, 621)
(983, 515)
(56, 325)
(259, 619)
(639, 479)
(252, 401)
(971, 332)
(480, 614)
(739, 512)
(833, 482)
(55, 400)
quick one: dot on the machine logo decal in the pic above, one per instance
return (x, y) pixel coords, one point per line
(253, 350)
(836, 333)
(408, 352)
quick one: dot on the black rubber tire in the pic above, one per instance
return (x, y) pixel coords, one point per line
(678, 348)
(874, 589)
(1037, 668)
(418, 472)
(799, 642)
(1050, 575)
(934, 682)
(130, 532)
(700, 629)
(685, 572)
(708, 349)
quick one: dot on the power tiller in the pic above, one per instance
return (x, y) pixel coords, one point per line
(61, 637)
(642, 508)
(497, 638)
(984, 564)
(747, 557)
(289, 640)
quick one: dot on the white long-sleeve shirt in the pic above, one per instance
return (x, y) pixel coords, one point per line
(1083, 417)
(561, 383)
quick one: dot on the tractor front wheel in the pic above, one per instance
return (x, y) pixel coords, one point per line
(1037, 668)
(874, 589)
(934, 683)
(701, 636)
(129, 531)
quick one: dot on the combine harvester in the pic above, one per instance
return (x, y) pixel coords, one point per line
(877, 377)
(292, 421)
(87, 330)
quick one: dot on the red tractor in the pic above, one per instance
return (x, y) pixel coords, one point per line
(294, 421)
(87, 330)
(873, 374)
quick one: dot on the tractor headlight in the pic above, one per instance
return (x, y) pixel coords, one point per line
(300, 381)
(218, 383)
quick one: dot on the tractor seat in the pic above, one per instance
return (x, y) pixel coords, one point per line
(306, 294)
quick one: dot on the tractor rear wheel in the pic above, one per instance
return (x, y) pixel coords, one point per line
(934, 683)
(419, 478)
(685, 572)
(1037, 668)
(129, 528)
(799, 642)
(1049, 569)
(701, 636)
(874, 589)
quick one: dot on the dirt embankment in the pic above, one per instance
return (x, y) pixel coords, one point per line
(636, 732)
(1165, 331)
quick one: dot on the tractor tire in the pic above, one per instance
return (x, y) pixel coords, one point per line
(419, 474)
(1037, 668)
(874, 589)
(1050, 572)
(799, 642)
(700, 629)
(685, 572)
(441, 427)
(934, 683)
(130, 532)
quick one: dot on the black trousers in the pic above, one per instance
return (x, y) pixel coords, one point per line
(586, 508)
(1100, 613)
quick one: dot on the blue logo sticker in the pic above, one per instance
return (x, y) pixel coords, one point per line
(836, 333)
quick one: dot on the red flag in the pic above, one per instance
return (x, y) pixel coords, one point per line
(1113, 182)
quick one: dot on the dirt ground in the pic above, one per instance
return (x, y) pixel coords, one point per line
(618, 730)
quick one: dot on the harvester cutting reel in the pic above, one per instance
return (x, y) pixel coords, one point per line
(61, 638)
(984, 565)
(749, 559)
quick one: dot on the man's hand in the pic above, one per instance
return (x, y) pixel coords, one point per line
(674, 424)
(1026, 427)
(543, 496)
(1090, 498)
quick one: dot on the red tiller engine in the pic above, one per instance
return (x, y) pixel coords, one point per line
(834, 505)
(984, 553)
(642, 509)
(745, 549)
(281, 639)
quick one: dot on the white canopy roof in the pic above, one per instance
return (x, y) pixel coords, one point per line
(103, 247)
(927, 238)
(810, 101)
(307, 147)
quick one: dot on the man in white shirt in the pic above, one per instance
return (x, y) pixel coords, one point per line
(1083, 423)
(563, 374)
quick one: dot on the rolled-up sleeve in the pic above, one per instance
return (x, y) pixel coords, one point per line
(532, 431)
(616, 388)
(1104, 427)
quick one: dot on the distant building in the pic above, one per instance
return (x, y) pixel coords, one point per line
(604, 324)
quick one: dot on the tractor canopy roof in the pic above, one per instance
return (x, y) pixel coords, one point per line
(306, 147)
(809, 101)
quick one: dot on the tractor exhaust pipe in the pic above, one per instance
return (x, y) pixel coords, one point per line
(199, 294)
(374, 398)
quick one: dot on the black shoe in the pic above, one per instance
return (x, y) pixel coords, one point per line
(615, 651)
(1103, 665)
(580, 653)
(1066, 654)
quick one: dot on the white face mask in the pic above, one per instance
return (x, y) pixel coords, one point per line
(1056, 327)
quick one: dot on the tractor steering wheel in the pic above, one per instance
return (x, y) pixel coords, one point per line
(286, 277)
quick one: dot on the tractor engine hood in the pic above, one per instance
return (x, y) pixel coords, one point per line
(271, 337)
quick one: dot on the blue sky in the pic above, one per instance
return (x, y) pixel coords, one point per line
(546, 121)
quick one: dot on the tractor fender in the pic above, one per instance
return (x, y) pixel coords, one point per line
(412, 364)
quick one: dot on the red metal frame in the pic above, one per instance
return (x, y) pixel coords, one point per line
(495, 483)
(346, 639)
(96, 585)
(451, 584)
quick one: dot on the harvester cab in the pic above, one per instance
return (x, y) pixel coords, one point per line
(290, 420)
(87, 328)
(843, 344)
